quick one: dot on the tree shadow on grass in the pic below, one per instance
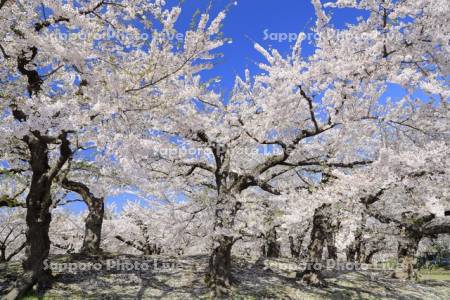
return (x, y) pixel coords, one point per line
(131, 284)
(253, 280)
(257, 280)
(361, 285)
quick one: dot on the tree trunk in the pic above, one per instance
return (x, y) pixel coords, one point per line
(219, 273)
(312, 275)
(356, 250)
(94, 219)
(369, 257)
(372, 247)
(407, 249)
(271, 247)
(38, 245)
(350, 252)
(219, 276)
(2, 254)
(295, 248)
(93, 228)
(331, 245)
(38, 220)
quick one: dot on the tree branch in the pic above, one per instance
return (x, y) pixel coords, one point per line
(17, 251)
(311, 108)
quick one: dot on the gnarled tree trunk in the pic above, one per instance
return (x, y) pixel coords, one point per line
(94, 219)
(219, 274)
(315, 249)
(323, 233)
(38, 220)
(93, 228)
(219, 268)
(370, 248)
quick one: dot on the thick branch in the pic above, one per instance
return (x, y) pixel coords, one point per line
(311, 108)
(200, 165)
(130, 243)
(6, 201)
(287, 150)
(80, 189)
(65, 154)
(5, 55)
(437, 226)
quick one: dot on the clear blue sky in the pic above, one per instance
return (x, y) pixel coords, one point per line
(250, 21)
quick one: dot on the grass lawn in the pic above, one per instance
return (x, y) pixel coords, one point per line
(438, 273)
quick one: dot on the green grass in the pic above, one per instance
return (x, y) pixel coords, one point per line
(436, 273)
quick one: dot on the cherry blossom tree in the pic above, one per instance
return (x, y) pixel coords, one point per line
(12, 233)
(301, 118)
(298, 146)
(405, 190)
(63, 77)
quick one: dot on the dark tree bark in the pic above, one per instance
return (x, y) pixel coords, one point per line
(407, 248)
(363, 250)
(219, 268)
(94, 219)
(369, 256)
(145, 248)
(219, 275)
(331, 245)
(296, 246)
(2, 254)
(356, 250)
(322, 234)
(271, 247)
(93, 229)
(38, 218)
(315, 248)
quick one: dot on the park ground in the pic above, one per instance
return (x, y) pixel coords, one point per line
(183, 278)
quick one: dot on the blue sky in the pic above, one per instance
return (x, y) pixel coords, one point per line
(252, 21)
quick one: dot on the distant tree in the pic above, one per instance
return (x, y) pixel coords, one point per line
(12, 233)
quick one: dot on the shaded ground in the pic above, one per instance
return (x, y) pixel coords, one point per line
(182, 278)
